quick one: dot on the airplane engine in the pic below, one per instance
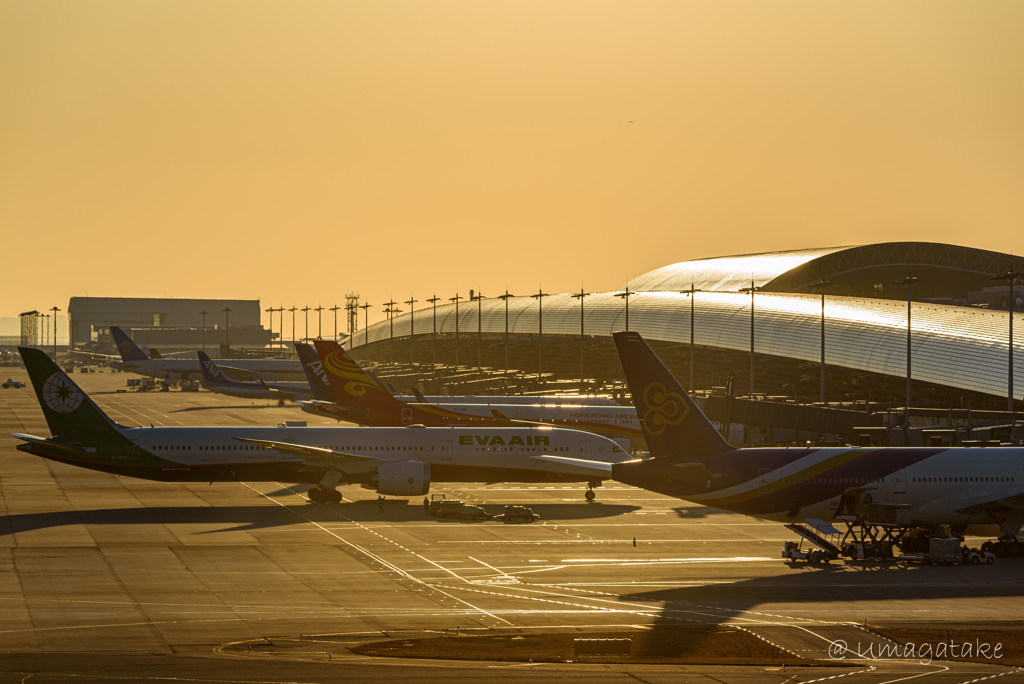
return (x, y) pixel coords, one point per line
(405, 478)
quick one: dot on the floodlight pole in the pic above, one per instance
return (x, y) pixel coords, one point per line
(411, 301)
(306, 311)
(293, 310)
(692, 292)
(581, 295)
(271, 312)
(456, 299)
(227, 325)
(366, 328)
(1010, 277)
(506, 297)
(625, 295)
(478, 297)
(752, 289)
(540, 336)
(908, 282)
(335, 310)
(319, 321)
(390, 311)
(204, 314)
(280, 312)
(822, 284)
(433, 339)
(55, 310)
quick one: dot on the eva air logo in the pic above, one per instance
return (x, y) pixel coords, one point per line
(60, 394)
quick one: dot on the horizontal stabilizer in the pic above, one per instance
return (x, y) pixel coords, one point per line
(50, 444)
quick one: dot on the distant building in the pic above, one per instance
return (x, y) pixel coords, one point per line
(168, 322)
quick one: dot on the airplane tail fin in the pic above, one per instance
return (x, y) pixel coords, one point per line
(212, 374)
(673, 425)
(67, 409)
(349, 382)
(126, 346)
(316, 376)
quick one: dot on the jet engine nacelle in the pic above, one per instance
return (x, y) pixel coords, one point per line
(405, 478)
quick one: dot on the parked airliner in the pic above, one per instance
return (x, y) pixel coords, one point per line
(134, 361)
(393, 461)
(360, 399)
(971, 490)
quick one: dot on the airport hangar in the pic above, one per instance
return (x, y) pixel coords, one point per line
(959, 333)
(168, 323)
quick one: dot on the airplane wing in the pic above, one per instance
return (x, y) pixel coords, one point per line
(320, 456)
(578, 466)
(164, 355)
(1010, 508)
(274, 390)
(42, 441)
(102, 356)
(352, 414)
(596, 429)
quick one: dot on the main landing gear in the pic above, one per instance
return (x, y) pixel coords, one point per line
(321, 494)
(591, 494)
(1006, 546)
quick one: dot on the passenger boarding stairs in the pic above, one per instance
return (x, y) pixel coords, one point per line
(820, 534)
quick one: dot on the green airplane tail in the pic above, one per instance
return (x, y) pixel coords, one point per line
(65, 406)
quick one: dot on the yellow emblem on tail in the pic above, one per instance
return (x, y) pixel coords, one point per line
(664, 408)
(356, 381)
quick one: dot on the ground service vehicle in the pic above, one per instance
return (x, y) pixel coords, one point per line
(514, 513)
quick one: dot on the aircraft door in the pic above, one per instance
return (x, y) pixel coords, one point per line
(446, 450)
(133, 448)
(585, 449)
(765, 481)
(899, 481)
(406, 416)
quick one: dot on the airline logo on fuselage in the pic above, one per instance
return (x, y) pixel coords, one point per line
(492, 440)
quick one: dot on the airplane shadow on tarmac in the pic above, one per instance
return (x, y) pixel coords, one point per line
(841, 592)
(245, 518)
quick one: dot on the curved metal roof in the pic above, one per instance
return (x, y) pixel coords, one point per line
(799, 270)
(725, 274)
(952, 346)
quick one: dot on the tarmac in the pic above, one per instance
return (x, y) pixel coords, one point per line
(106, 578)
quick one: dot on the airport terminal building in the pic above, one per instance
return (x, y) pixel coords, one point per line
(959, 314)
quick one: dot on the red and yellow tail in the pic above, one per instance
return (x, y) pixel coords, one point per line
(352, 386)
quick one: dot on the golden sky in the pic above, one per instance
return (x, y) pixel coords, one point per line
(294, 151)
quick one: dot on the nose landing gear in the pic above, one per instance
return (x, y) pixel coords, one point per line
(591, 494)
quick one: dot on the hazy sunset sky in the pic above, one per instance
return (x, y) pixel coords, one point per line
(294, 151)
